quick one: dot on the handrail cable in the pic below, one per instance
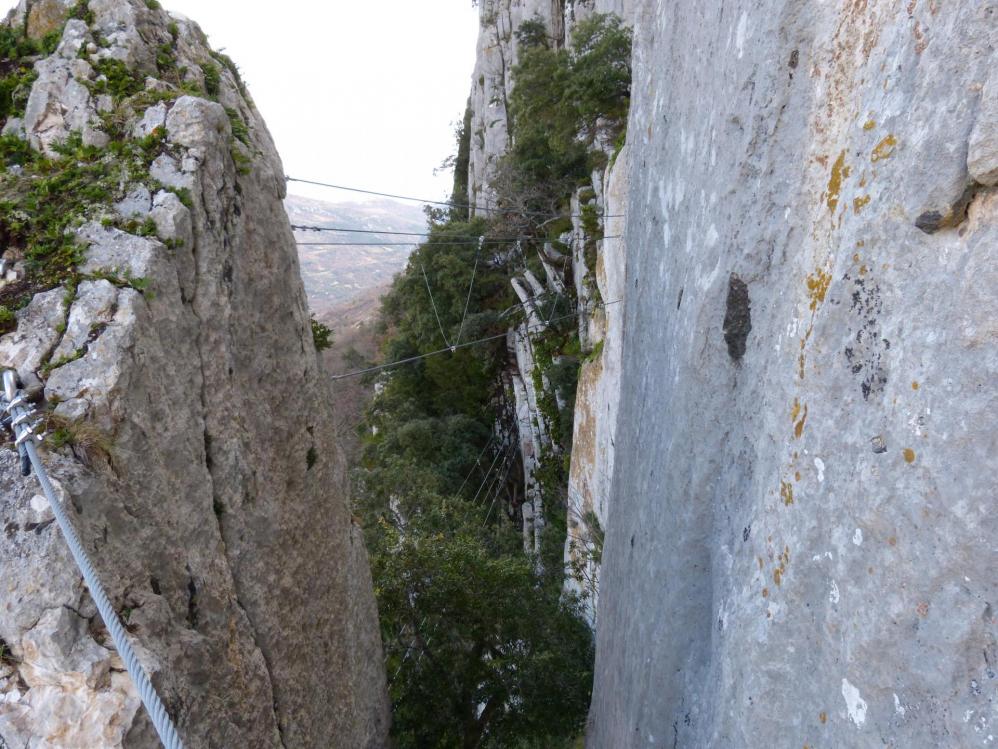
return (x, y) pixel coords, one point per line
(25, 436)
(435, 313)
(471, 286)
(448, 243)
(446, 203)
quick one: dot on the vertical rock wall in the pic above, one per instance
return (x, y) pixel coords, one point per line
(597, 399)
(595, 418)
(210, 491)
(800, 551)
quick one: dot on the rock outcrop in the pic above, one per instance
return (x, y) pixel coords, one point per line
(799, 551)
(178, 365)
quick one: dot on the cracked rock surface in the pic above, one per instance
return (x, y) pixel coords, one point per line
(185, 370)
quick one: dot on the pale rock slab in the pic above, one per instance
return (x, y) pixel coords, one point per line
(37, 334)
(982, 157)
(791, 148)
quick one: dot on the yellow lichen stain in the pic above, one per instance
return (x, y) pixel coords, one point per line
(817, 287)
(765, 592)
(786, 493)
(861, 243)
(863, 270)
(869, 125)
(855, 257)
(915, 385)
(884, 149)
(860, 203)
(795, 411)
(839, 172)
(781, 570)
(909, 455)
(799, 425)
(797, 477)
(862, 181)
(760, 562)
(823, 717)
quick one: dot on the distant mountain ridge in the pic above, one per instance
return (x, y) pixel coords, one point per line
(335, 275)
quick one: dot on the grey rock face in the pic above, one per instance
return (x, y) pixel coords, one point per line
(799, 550)
(982, 159)
(202, 471)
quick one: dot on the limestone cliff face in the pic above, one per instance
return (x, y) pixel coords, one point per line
(600, 328)
(597, 399)
(800, 547)
(202, 475)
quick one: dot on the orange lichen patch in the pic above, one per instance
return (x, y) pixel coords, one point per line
(915, 385)
(869, 125)
(884, 149)
(922, 609)
(855, 257)
(799, 426)
(823, 160)
(909, 455)
(823, 717)
(817, 287)
(797, 477)
(921, 42)
(839, 172)
(781, 570)
(786, 493)
(795, 411)
(859, 204)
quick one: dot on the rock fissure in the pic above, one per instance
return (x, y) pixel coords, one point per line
(140, 377)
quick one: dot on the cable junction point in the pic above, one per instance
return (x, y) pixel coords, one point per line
(452, 349)
(21, 419)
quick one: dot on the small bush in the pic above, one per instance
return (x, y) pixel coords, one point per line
(8, 321)
(212, 78)
(322, 335)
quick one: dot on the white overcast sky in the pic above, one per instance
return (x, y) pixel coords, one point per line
(355, 93)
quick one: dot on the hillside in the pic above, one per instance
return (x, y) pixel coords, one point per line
(336, 275)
